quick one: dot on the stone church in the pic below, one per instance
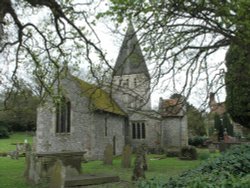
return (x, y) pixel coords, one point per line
(89, 117)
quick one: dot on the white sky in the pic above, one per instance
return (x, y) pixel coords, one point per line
(111, 42)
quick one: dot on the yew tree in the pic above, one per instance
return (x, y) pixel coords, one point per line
(238, 84)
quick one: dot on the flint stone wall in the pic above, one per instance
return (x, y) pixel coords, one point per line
(87, 127)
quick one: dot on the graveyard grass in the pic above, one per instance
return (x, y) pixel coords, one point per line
(11, 171)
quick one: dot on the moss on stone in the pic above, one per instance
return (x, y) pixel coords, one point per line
(100, 99)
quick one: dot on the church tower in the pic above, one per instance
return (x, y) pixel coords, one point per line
(131, 78)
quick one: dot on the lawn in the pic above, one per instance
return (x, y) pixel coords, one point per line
(7, 143)
(160, 168)
(11, 171)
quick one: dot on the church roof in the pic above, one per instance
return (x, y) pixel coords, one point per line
(100, 99)
(130, 59)
(171, 107)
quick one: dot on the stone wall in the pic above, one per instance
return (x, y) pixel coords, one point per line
(129, 96)
(174, 132)
(79, 138)
(115, 133)
(87, 127)
(152, 130)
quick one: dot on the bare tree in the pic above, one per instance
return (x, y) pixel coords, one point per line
(185, 36)
(42, 36)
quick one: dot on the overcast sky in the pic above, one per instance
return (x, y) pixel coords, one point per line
(110, 42)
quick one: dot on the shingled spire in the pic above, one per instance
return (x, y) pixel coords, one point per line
(130, 59)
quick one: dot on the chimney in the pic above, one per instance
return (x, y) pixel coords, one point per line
(212, 101)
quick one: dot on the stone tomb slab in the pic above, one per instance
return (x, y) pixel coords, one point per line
(89, 179)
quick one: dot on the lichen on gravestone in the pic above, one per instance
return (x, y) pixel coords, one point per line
(108, 155)
(140, 163)
(57, 177)
(126, 157)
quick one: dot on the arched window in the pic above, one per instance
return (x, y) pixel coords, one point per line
(106, 126)
(63, 116)
(126, 83)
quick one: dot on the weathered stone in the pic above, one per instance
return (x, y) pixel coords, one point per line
(27, 161)
(57, 175)
(108, 155)
(126, 157)
(212, 148)
(89, 179)
(140, 163)
(14, 154)
(214, 136)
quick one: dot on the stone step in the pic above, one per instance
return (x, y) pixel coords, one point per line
(89, 179)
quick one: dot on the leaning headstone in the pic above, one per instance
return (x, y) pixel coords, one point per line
(108, 155)
(126, 157)
(140, 163)
(57, 175)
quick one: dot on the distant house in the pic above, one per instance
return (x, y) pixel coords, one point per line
(220, 109)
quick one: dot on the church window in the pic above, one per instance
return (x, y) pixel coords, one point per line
(120, 82)
(126, 83)
(135, 82)
(63, 116)
(133, 131)
(106, 126)
(136, 102)
(143, 130)
(138, 130)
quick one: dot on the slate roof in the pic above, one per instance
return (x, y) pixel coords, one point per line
(100, 99)
(130, 59)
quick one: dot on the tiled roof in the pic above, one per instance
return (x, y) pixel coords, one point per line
(171, 107)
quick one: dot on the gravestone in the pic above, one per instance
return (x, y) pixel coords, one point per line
(14, 154)
(108, 155)
(140, 163)
(27, 162)
(211, 148)
(57, 175)
(214, 136)
(126, 157)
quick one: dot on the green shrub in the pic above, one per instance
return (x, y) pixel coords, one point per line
(4, 130)
(173, 152)
(189, 152)
(197, 141)
(150, 183)
(224, 171)
(231, 169)
(204, 156)
(3, 154)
